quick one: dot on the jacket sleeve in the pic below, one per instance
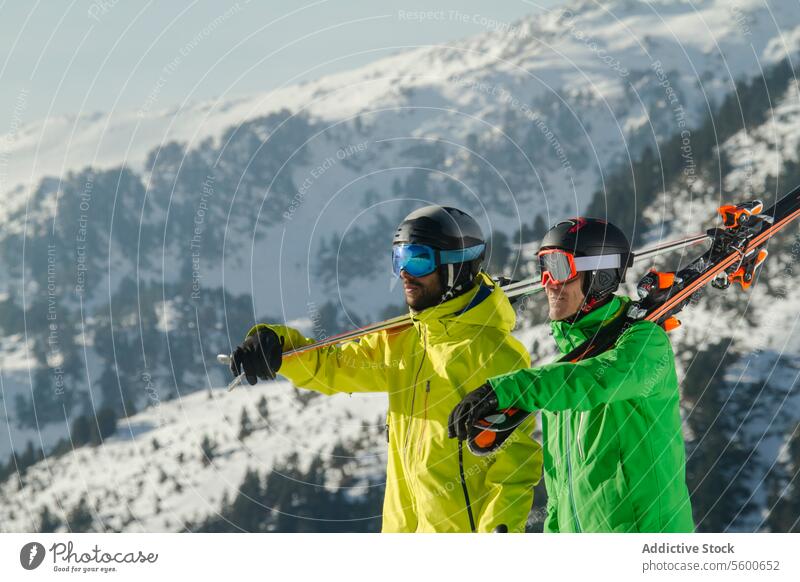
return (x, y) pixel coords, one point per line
(509, 483)
(635, 367)
(355, 366)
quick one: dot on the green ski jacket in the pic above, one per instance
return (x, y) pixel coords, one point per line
(614, 457)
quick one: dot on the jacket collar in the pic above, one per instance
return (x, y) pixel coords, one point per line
(569, 335)
(484, 305)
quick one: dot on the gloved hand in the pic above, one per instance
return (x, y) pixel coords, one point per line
(473, 407)
(259, 356)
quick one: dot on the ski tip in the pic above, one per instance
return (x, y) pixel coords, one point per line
(224, 359)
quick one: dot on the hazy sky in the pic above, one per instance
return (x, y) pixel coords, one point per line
(59, 57)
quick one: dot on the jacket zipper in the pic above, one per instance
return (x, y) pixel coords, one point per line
(568, 435)
(581, 454)
(414, 395)
(568, 445)
(424, 417)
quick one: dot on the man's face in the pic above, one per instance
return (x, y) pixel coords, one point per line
(565, 299)
(422, 292)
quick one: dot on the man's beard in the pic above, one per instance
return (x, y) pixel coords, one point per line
(429, 298)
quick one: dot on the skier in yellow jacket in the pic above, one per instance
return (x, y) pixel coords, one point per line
(461, 334)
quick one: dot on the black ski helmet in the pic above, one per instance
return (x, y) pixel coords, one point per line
(446, 229)
(591, 237)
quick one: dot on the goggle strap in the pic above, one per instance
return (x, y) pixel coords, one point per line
(597, 262)
(461, 255)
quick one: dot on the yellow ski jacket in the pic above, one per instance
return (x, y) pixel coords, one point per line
(427, 369)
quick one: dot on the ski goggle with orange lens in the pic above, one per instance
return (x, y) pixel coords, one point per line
(420, 260)
(559, 266)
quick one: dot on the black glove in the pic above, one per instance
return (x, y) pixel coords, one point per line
(472, 408)
(259, 356)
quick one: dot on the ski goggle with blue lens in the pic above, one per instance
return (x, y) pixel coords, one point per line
(420, 260)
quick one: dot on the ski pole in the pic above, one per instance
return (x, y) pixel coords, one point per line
(225, 360)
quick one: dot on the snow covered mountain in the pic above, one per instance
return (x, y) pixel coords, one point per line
(587, 62)
(139, 244)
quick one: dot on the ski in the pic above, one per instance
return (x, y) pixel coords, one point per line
(514, 290)
(735, 255)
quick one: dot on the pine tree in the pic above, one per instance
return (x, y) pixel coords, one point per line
(80, 518)
(104, 426)
(245, 426)
(129, 407)
(28, 458)
(293, 500)
(48, 523)
(6, 469)
(498, 253)
(81, 432)
(783, 499)
(539, 228)
(263, 410)
(247, 511)
(208, 449)
(717, 485)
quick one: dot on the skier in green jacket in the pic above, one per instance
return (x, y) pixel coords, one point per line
(614, 456)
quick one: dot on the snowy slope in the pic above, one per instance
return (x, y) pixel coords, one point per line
(155, 459)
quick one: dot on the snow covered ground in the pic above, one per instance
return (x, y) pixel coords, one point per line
(152, 475)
